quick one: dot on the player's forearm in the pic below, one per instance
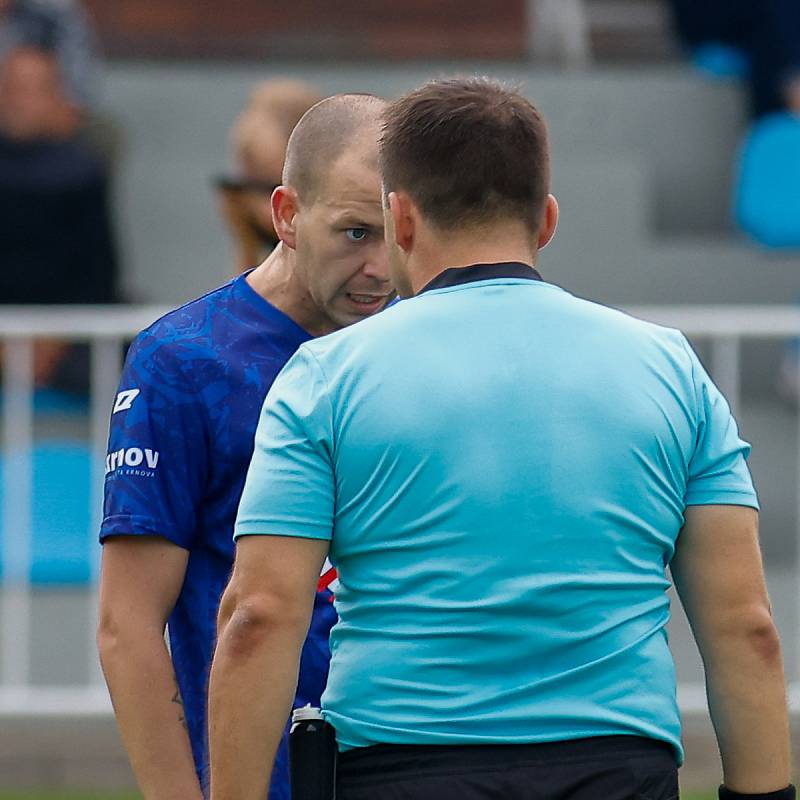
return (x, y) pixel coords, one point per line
(747, 700)
(149, 714)
(252, 684)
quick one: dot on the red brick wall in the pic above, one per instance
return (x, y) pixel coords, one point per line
(311, 29)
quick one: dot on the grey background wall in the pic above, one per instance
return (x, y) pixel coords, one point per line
(642, 165)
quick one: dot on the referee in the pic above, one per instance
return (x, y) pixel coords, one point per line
(502, 473)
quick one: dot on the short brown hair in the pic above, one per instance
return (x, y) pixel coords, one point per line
(467, 151)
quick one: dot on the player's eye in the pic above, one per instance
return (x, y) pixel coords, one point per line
(356, 234)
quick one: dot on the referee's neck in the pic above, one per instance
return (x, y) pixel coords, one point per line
(451, 250)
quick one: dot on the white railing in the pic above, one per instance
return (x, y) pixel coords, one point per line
(106, 328)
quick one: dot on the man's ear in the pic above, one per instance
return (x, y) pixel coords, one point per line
(285, 204)
(401, 210)
(549, 222)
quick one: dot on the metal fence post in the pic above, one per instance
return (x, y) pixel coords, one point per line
(17, 426)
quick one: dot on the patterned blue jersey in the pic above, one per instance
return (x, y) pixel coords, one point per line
(180, 442)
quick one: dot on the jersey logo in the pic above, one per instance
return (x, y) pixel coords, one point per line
(138, 459)
(125, 400)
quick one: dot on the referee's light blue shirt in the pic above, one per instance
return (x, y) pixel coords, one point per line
(502, 470)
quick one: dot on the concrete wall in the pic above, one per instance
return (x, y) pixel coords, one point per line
(642, 166)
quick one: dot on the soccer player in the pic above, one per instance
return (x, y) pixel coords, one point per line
(182, 435)
(501, 473)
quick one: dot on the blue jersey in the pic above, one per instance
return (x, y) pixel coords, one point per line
(180, 442)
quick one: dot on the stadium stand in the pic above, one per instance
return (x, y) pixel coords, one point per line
(619, 30)
(643, 161)
(343, 30)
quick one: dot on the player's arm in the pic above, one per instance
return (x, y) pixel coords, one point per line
(263, 622)
(140, 581)
(147, 531)
(719, 575)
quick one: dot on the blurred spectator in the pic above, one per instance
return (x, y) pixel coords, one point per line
(767, 204)
(259, 137)
(33, 106)
(766, 34)
(59, 26)
(767, 195)
(56, 242)
(62, 28)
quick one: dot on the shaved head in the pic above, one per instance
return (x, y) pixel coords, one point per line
(325, 132)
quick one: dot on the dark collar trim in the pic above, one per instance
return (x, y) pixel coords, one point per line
(455, 276)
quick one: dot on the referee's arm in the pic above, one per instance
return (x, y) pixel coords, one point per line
(720, 579)
(263, 621)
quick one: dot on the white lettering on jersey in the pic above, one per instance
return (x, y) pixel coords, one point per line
(134, 456)
(125, 400)
(131, 457)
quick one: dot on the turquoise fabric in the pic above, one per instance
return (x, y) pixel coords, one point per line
(502, 470)
(767, 202)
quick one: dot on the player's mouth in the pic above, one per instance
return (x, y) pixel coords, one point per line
(367, 303)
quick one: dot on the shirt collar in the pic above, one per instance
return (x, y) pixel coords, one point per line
(455, 276)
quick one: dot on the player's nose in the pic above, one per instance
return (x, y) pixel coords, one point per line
(376, 264)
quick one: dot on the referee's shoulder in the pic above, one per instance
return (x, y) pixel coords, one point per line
(629, 323)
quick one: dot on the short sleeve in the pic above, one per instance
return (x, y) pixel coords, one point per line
(289, 490)
(157, 458)
(718, 472)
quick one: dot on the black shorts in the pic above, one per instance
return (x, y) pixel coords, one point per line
(601, 768)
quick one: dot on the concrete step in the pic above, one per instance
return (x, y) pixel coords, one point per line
(631, 30)
(679, 130)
